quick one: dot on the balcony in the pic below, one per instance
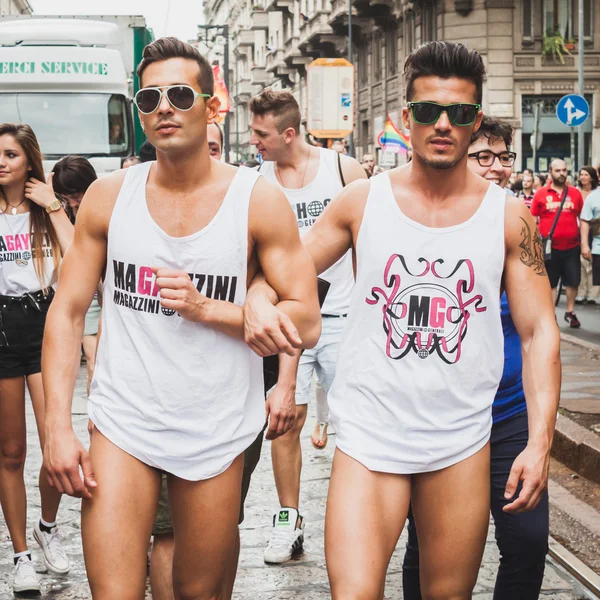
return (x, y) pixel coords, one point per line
(259, 20)
(281, 5)
(244, 39)
(313, 28)
(244, 90)
(275, 60)
(260, 76)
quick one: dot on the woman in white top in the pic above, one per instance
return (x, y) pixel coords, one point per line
(34, 233)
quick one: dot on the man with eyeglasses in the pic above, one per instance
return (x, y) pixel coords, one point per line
(421, 359)
(176, 389)
(522, 537)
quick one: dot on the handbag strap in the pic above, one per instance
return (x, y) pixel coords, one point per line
(562, 203)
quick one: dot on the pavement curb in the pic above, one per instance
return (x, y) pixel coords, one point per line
(577, 448)
(571, 339)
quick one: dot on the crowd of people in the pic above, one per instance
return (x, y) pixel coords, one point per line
(440, 382)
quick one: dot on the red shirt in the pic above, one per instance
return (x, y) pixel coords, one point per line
(546, 202)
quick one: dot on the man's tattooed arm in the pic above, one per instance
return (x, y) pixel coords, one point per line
(532, 254)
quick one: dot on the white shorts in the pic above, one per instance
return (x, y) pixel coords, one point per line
(322, 359)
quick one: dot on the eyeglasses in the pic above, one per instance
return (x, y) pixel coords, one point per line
(427, 113)
(181, 97)
(486, 158)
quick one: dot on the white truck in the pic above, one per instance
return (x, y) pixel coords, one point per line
(72, 80)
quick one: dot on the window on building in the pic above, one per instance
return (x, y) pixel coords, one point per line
(527, 19)
(409, 36)
(363, 64)
(376, 56)
(391, 50)
(588, 18)
(428, 21)
(364, 130)
(558, 18)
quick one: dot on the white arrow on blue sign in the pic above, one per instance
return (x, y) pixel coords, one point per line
(572, 110)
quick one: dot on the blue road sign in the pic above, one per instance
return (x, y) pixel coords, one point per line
(572, 110)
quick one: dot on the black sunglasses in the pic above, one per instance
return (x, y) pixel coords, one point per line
(181, 97)
(486, 158)
(427, 113)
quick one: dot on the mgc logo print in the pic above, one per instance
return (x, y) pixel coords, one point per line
(426, 312)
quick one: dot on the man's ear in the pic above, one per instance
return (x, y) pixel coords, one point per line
(212, 109)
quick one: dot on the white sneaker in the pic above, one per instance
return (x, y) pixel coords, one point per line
(55, 558)
(286, 538)
(25, 578)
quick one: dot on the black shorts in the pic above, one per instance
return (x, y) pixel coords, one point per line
(566, 266)
(596, 269)
(21, 334)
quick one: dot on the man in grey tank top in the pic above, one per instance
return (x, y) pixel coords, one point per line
(309, 177)
(367, 508)
(182, 193)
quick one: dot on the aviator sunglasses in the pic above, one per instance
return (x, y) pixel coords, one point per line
(427, 113)
(181, 97)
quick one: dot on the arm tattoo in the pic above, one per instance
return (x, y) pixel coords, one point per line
(532, 254)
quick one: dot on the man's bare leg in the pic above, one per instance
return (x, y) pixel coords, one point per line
(452, 513)
(205, 520)
(161, 567)
(571, 295)
(116, 524)
(366, 511)
(286, 454)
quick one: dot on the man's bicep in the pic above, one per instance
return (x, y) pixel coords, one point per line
(85, 260)
(282, 257)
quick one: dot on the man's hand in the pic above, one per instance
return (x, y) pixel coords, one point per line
(530, 467)
(268, 330)
(585, 251)
(63, 455)
(281, 410)
(178, 293)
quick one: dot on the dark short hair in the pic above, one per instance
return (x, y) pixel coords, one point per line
(494, 129)
(73, 175)
(170, 47)
(593, 174)
(147, 152)
(281, 104)
(445, 60)
(542, 177)
(530, 171)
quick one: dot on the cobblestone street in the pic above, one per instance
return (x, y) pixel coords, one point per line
(302, 579)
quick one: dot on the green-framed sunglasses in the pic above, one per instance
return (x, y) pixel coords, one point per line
(181, 97)
(427, 113)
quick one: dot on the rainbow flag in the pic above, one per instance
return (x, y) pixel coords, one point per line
(392, 140)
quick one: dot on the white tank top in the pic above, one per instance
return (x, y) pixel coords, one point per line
(179, 396)
(308, 203)
(422, 353)
(17, 270)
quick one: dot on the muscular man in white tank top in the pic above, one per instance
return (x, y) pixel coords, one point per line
(176, 389)
(422, 353)
(309, 177)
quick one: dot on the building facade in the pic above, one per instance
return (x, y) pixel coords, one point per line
(521, 41)
(14, 7)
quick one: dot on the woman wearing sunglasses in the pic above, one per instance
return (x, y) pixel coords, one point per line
(34, 233)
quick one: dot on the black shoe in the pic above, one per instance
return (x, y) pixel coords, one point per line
(572, 320)
(591, 301)
(580, 300)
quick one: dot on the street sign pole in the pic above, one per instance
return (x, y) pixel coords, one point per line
(581, 136)
(573, 153)
(351, 136)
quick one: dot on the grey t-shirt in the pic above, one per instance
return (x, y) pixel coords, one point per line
(591, 210)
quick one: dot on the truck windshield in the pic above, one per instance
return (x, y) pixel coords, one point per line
(84, 124)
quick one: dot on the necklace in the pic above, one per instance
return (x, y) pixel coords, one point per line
(14, 208)
(303, 174)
